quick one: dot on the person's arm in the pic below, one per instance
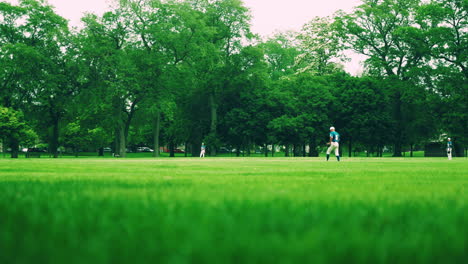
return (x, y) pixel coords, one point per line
(331, 138)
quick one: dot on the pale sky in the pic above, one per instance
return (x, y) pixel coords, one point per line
(268, 16)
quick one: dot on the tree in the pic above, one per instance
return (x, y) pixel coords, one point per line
(245, 115)
(170, 33)
(35, 63)
(112, 60)
(14, 128)
(320, 47)
(361, 112)
(227, 24)
(446, 23)
(280, 52)
(304, 100)
(381, 29)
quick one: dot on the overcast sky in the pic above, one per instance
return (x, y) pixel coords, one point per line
(268, 16)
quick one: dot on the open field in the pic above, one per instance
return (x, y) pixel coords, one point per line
(234, 210)
(416, 154)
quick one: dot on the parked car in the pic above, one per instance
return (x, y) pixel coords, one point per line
(144, 149)
(224, 150)
(107, 149)
(235, 151)
(178, 151)
(36, 150)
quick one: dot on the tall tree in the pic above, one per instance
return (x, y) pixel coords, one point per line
(446, 23)
(281, 52)
(112, 58)
(169, 33)
(227, 24)
(320, 46)
(380, 29)
(34, 40)
(15, 130)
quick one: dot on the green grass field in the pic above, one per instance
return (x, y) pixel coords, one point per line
(234, 210)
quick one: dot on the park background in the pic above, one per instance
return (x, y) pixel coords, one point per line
(175, 74)
(172, 75)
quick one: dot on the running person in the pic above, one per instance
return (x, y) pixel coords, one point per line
(449, 148)
(202, 152)
(334, 144)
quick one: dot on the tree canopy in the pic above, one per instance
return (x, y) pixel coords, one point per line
(165, 74)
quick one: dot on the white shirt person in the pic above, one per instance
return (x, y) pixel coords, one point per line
(202, 150)
(334, 144)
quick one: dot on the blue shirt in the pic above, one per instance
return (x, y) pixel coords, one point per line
(449, 144)
(335, 136)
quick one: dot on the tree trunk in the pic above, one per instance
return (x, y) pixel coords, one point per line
(398, 149)
(350, 147)
(186, 149)
(214, 121)
(3, 147)
(272, 150)
(399, 127)
(266, 150)
(196, 149)
(304, 150)
(313, 152)
(54, 139)
(101, 152)
(156, 130)
(119, 134)
(116, 148)
(171, 150)
(122, 140)
(286, 151)
(411, 150)
(14, 145)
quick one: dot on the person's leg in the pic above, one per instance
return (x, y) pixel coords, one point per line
(337, 151)
(329, 151)
(449, 153)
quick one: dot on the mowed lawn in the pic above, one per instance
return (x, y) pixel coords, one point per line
(234, 210)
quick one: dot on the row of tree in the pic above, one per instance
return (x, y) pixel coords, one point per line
(164, 72)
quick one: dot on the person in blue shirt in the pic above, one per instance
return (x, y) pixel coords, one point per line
(334, 144)
(449, 148)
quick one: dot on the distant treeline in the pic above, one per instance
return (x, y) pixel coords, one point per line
(171, 73)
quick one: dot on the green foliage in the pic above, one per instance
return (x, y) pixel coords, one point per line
(234, 210)
(319, 45)
(281, 52)
(180, 72)
(362, 111)
(14, 127)
(375, 29)
(305, 102)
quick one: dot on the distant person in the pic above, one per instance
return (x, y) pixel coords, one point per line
(334, 144)
(449, 148)
(202, 152)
